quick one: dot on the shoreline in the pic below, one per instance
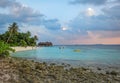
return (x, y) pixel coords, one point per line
(18, 48)
(14, 70)
(98, 68)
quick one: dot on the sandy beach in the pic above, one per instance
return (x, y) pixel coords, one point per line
(23, 48)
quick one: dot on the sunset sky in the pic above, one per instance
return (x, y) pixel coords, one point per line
(65, 21)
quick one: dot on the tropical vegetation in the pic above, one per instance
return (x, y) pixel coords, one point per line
(5, 49)
(14, 37)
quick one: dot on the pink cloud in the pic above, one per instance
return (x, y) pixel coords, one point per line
(96, 37)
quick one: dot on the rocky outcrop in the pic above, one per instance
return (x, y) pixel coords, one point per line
(45, 44)
(16, 70)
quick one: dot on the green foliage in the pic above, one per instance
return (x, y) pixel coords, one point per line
(12, 29)
(15, 38)
(5, 49)
(23, 43)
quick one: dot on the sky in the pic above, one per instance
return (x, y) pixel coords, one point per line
(64, 21)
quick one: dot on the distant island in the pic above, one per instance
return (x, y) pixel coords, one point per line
(45, 44)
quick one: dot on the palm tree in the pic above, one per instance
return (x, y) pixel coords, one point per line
(13, 29)
(28, 33)
(35, 38)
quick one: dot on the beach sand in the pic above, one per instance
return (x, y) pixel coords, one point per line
(23, 48)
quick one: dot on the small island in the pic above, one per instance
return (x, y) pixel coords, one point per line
(45, 44)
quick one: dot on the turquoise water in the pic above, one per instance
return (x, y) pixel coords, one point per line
(89, 54)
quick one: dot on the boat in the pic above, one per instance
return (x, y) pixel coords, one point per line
(77, 50)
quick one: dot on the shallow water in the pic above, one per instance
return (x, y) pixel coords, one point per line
(89, 54)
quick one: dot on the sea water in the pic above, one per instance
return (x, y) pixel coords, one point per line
(75, 54)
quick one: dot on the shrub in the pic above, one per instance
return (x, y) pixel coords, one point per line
(5, 49)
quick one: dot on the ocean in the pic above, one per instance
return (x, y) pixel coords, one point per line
(87, 55)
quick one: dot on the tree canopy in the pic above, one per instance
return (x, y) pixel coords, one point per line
(15, 38)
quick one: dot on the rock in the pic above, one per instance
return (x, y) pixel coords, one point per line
(27, 71)
(107, 72)
(52, 64)
(98, 68)
(113, 73)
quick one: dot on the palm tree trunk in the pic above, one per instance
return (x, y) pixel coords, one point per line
(9, 37)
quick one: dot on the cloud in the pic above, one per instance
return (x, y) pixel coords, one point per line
(87, 27)
(99, 28)
(113, 11)
(91, 37)
(117, 1)
(108, 21)
(17, 12)
(29, 20)
(52, 24)
(21, 13)
(93, 2)
(7, 3)
(103, 34)
(45, 34)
